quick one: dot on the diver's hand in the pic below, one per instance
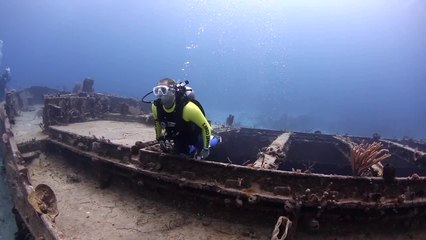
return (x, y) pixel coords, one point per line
(204, 153)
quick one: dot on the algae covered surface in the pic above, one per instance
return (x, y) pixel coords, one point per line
(7, 222)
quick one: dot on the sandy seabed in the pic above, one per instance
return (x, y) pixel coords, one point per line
(88, 212)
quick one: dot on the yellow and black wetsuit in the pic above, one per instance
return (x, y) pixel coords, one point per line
(185, 123)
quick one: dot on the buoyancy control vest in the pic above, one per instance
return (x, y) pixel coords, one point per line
(173, 122)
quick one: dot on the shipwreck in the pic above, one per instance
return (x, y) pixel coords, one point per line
(87, 166)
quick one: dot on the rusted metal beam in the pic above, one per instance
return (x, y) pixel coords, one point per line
(40, 226)
(273, 155)
(407, 153)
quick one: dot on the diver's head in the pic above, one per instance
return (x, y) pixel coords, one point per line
(166, 92)
(7, 69)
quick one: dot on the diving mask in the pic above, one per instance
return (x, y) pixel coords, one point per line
(162, 90)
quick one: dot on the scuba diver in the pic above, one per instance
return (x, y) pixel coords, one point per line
(181, 118)
(4, 79)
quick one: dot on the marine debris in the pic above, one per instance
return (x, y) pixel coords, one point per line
(281, 230)
(77, 88)
(124, 109)
(363, 156)
(88, 85)
(230, 120)
(43, 200)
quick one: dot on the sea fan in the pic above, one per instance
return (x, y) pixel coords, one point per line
(365, 155)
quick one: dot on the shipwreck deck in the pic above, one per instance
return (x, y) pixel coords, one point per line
(112, 181)
(118, 212)
(27, 128)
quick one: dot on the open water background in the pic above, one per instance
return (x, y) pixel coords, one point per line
(352, 66)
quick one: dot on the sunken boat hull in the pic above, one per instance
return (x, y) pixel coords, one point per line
(295, 183)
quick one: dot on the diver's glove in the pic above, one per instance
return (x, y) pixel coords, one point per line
(165, 145)
(204, 153)
(214, 140)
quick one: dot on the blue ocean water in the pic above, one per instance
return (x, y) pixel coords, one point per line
(354, 66)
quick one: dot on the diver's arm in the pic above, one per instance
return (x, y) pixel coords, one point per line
(157, 125)
(192, 113)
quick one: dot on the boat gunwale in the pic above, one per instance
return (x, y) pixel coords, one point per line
(144, 145)
(273, 197)
(39, 225)
(182, 182)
